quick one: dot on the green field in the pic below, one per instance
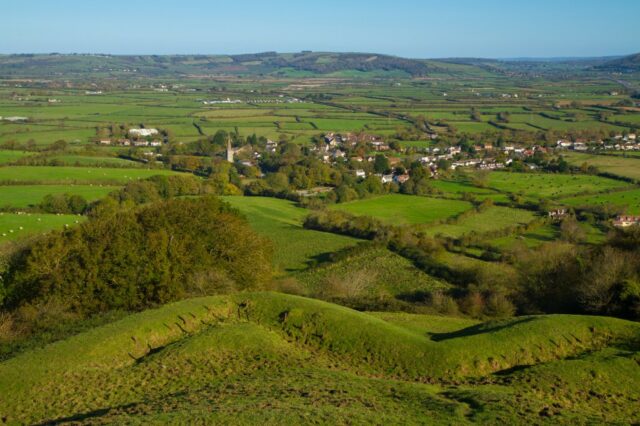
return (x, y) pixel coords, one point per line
(626, 167)
(7, 156)
(492, 219)
(530, 239)
(34, 174)
(281, 221)
(537, 185)
(374, 272)
(29, 195)
(629, 200)
(15, 226)
(405, 209)
(270, 358)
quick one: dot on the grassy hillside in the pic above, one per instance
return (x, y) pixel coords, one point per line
(273, 358)
(281, 221)
(374, 272)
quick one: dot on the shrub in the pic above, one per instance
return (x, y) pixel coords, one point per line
(139, 257)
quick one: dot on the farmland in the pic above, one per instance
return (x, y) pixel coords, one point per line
(18, 196)
(628, 200)
(15, 226)
(550, 185)
(401, 241)
(281, 221)
(620, 166)
(492, 219)
(402, 209)
(73, 175)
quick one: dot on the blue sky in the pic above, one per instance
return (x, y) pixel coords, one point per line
(411, 28)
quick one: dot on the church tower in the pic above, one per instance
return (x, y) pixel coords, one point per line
(229, 151)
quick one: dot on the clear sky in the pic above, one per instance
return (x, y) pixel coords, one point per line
(411, 28)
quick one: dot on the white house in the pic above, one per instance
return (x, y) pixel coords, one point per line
(143, 133)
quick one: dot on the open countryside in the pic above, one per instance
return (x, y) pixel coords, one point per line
(444, 230)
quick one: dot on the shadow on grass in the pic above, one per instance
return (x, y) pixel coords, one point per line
(477, 329)
(81, 417)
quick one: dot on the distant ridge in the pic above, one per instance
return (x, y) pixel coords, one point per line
(629, 63)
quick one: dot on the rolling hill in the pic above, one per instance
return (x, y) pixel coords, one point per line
(314, 63)
(272, 358)
(629, 63)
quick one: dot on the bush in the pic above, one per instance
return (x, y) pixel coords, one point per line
(141, 257)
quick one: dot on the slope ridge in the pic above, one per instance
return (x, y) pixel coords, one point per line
(233, 357)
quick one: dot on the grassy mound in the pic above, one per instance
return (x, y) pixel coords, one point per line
(372, 272)
(268, 357)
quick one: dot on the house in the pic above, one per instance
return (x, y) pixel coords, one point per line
(400, 179)
(155, 143)
(14, 119)
(271, 145)
(124, 142)
(143, 133)
(329, 138)
(105, 142)
(454, 150)
(339, 154)
(141, 143)
(361, 174)
(558, 213)
(564, 144)
(386, 178)
(626, 221)
(579, 146)
(380, 146)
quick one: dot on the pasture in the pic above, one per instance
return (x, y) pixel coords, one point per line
(361, 361)
(550, 185)
(616, 165)
(9, 156)
(15, 226)
(19, 196)
(295, 247)
(399, 209)
(492, 219)
(80, 175)
(629, 200)
(369, 273)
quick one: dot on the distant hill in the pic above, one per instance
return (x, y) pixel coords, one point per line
(314, 63)
(629, 63)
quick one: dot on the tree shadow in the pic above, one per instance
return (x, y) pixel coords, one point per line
(477, 329)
